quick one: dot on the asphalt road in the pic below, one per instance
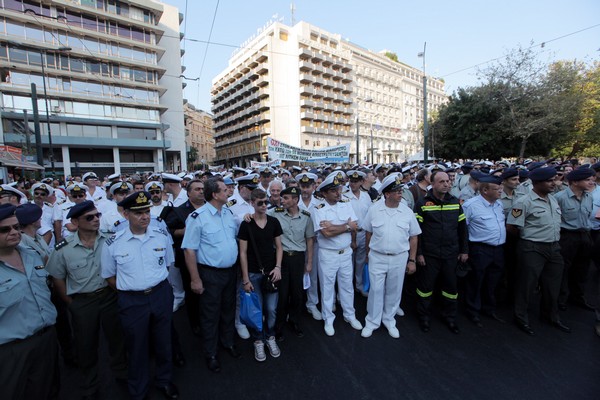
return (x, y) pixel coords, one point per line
(497, 361)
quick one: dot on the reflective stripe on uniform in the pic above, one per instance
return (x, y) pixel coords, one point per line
(424, 294)
(450, 296)
(461, 217)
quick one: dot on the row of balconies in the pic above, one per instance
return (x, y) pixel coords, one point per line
(319, 93)
(317, 69)
(315, 56)
(242, 137)
(326, 118)
(241, 101)
(238, 72)
(323, 131)
(321, 105)
(246, 82)
(242, 111)
(244, 123)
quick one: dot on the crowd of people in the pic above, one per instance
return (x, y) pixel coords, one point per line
(120, 255)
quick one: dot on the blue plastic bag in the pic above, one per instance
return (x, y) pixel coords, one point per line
(365, 276)
(250, 310)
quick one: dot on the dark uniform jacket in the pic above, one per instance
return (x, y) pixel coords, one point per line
(444, 226)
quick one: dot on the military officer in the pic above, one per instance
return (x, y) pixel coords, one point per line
(28, 344)
(336, 225)
(95, 191)
(575, 239)
(29, 216)
(41, 192)
(10, 195)
(75, 268)
(156, 191)
(172, 183)
(535, 218)
(391, 239)
(135, 261)
(77, 193)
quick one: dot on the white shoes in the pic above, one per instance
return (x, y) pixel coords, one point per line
(259, 351)
(366, 332)
(316, 314)
(329, 331)
(400, 312)
(354, 323)
(242, 332)
(273, 348)
(394, 332)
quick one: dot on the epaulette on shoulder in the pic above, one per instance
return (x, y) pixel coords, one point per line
(117, 223)
(344, 200)
(305, 213)
(194, 214)
(376, 199)
(159, 219)
(318, 197)
(110, 240)
(60, 244)
(320, 206)
(161, 230)
(231, 203)
(58, 203)
(49, 204)
(279, 209)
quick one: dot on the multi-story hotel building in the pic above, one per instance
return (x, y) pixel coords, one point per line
(111, 69)
(312, 89)
(199, 134)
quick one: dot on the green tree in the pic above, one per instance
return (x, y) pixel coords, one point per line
(391, 56)
(192, 157)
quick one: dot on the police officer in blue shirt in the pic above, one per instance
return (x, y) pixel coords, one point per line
(487, 235)
(136, 262)
(28, 344)
(211, 250)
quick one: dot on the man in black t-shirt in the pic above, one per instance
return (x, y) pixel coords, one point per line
(260, 248)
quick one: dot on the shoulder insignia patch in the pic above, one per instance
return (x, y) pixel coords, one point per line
(38, 267)
(344, 201)
(60, 244)
(279, 209)
(159, 219)
(305, 213)
(516, 213)
(376, 199)
(231, 203)
(320, 206)
(117, 223)
(318, 196)
(194, 214)
(49, 204)
(110, 240)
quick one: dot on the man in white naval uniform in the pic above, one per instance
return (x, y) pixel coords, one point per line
(335, 224)
(392, 231)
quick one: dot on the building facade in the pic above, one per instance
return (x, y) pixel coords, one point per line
(312, 89)
(199, 135)
(111, 70)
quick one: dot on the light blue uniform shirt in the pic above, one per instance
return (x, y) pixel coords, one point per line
(25, 305)
(595, 222)
(138, 263)
(485, 221)
(575, 213)
(212, 235)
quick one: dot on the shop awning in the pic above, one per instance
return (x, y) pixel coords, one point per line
(12, 159)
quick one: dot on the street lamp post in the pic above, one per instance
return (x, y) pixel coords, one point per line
(372, 118)
(358, 131)
(425, 125)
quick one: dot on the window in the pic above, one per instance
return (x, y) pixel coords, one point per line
(283, 35)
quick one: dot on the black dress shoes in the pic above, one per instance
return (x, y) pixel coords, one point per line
(296, 329)
(559, 325)
(524, 327)
(424, 325)
(213, 364)
(476, 321)
(233, 352)
(496, 317)
(170, 391)
(178, 359)
(453, 327)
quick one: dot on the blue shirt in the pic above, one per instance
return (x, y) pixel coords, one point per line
(595, 222)
(212, 234)
(485, 221)
(575, 213)
(25, 305)
(138, 263)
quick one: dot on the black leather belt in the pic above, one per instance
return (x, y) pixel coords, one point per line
(290, 253)
(91, 294)
(145, 292)
(215, 268)
(37, 333)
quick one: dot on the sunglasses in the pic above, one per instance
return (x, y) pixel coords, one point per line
(40, 193)
(90, 218)
(262, 203)
(7, 229)
(78, 196)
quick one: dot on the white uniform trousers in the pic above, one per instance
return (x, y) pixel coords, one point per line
(174, 279)
(360, 255)
(312, 293)
(332, 264)
(386, 276)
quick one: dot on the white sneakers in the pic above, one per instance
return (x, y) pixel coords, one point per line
(316, 314)
(354, 323)
(400, 312)
(329, 331)
(273, 348)
(259, 351)
(394, 332)
(366, 332)
(242, 332)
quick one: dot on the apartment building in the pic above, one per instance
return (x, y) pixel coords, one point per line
(199, 134)
(313, 89)
(111, 70)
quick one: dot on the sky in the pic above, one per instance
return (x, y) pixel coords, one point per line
(462, 36)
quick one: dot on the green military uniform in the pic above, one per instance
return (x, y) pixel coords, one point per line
(540, 260)
(37, 244)
(408, 197)
(94, 306)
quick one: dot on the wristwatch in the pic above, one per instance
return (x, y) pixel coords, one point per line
(411, 260)
(348, 228)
